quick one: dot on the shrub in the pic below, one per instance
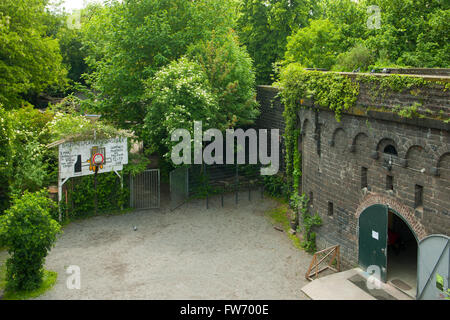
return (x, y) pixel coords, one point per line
(357, 57)
(28, 161)
(276, 186)
(5, 157)
(28, 231)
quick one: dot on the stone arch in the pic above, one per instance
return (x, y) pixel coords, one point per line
(338, 135)
(384, 142)
(381, 145)
(305, 127)
(417, 157)
(360, 143)
(443, 166)
(407, 213)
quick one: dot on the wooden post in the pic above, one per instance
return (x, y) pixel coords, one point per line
(95, 190)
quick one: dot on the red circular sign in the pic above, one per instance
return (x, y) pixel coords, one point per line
(97, 158)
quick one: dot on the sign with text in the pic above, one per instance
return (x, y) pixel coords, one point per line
(81, 158)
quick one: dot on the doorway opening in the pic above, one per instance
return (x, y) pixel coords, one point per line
(401, 255)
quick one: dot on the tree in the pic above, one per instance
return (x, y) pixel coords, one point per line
(178, 95)
(30, 61)
(229, 69)
(5, 157)
(264, 25)
(29, 232)
(139, 38)
(28, 151)
(412, 32)
(315, 46)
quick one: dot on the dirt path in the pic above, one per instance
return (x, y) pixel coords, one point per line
(190, 253)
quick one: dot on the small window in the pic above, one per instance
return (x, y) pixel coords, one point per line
(418, 196)
(390, 149)
(311, 199)
(389, 182)
(330, 208)
(363, 177)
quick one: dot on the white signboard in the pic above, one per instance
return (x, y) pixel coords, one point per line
(375, 235)
(76, 158)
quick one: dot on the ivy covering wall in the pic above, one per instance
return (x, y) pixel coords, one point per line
(338, 93)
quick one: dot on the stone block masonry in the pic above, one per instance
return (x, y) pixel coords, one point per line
(374, 157)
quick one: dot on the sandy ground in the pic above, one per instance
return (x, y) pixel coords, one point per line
(190, 253)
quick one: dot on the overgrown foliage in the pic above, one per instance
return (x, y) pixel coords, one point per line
(30, 60)
(138, 38)
(264, 25)
(179, 94)
(81, 196)
(28, 231)
(214, 84)
(346, 34)
(275, 186)
(329, 90)
(307, 222)
(230, 73)
(303, 89)
(315, 46)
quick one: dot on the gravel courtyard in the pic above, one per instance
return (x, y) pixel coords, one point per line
(190, 253)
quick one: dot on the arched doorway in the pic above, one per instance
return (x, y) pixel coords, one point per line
(387, 241)
(402, 248)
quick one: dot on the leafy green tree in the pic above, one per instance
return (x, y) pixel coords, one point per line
(178, 95)
(140, 37)
(5, 157)
(315, 46)
(30, 61)
(28, 151)
(264, 25)
(230, 73)
(29, 232)
(347, 15)
(412, 32)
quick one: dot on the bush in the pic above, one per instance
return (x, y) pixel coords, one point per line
(276, 186)
(28, 158)
(5, 157)
(357, 57)
(29, 232)
(81, 196)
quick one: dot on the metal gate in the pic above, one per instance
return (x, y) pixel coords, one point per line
(145, 190)
(179, 187)
(433, 268)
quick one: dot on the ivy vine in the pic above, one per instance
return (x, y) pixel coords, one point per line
(338, 93)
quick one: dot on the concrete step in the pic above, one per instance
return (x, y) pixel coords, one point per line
(350, 285)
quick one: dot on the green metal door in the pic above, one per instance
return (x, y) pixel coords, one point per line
(373, 238)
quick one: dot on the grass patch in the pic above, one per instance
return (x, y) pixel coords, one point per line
(279, 217)
(47, 283)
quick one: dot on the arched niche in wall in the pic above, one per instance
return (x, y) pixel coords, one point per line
(360, 143)
(417, 158)
(305, 128)
(338, 139)
(443, 166)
